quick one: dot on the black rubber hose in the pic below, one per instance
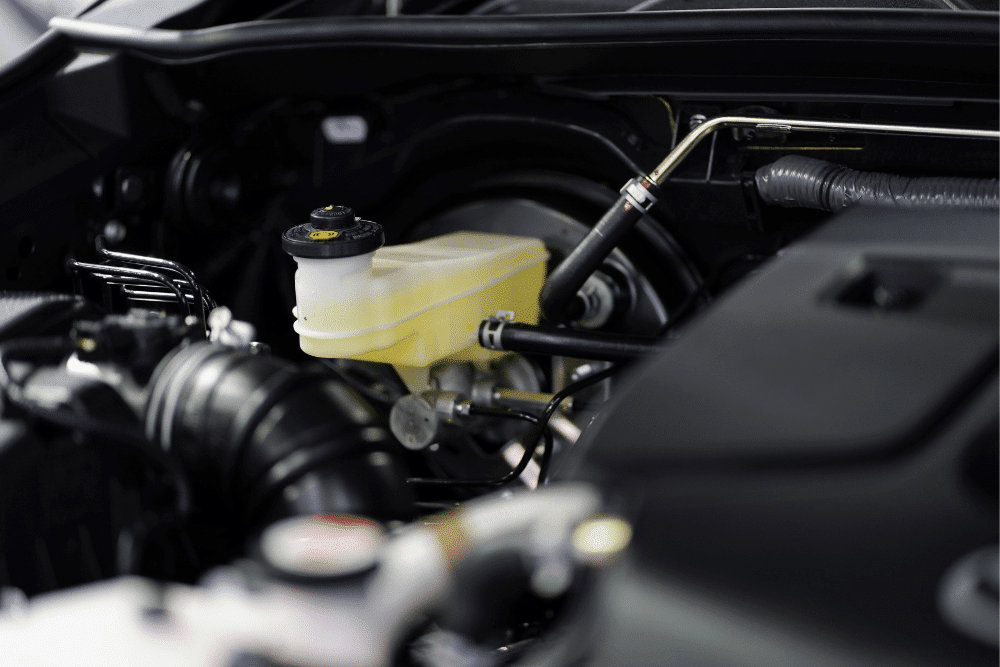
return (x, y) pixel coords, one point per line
(246, 427)
(517, 337)
(798, 181)
(533, 435)
(567, 278)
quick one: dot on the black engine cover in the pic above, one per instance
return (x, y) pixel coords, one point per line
(807, 462)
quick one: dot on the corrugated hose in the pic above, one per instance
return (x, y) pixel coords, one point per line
(798, 181)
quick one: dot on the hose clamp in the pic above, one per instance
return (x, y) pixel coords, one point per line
(489, 333)
(637, 192)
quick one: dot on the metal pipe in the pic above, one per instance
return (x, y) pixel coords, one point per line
(565, 427)
(121, 271)
(143, 261)
(527, 400)
(641, 193)
(694, 137)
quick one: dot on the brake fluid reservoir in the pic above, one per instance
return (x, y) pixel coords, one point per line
(407, 305)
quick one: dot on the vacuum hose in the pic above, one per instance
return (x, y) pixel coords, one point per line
(797, 181)
(525, 338)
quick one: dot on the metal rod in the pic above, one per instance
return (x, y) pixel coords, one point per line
(127, 285)
(641, 193)
(158, 295)
(527, 400)
(694, 137)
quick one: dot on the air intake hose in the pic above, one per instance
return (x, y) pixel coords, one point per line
(797, 181)
(270, 440)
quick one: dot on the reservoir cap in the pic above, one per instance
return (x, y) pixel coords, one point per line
(333, 231)
(333, 217)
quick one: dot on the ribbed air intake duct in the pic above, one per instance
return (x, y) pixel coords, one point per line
(272, 440)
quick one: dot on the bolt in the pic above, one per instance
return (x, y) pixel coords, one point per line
(114, 232)
(696, 120)
(131, 189)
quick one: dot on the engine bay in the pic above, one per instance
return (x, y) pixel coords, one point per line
(482, 334)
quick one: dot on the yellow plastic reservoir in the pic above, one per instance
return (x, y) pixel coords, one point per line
(415, 304)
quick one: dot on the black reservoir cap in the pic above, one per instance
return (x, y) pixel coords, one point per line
(333, 231)
(333, 217)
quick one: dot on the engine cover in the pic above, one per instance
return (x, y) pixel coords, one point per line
(815, 457)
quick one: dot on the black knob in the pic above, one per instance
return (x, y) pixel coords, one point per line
(333, 217)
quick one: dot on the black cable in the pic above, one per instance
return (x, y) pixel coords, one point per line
(518, 469)
(543, 466)
(553, 405)
(534, 434)
(683, 310)
(551, 408)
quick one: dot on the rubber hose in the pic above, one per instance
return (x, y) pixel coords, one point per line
(798, 181)
(247, 427)
(568, 278)
(518, 337)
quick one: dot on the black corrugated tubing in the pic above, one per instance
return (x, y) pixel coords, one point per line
(798, 181)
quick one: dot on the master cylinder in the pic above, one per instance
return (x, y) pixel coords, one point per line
(408, 305)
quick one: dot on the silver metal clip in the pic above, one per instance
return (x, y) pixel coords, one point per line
(637, 195)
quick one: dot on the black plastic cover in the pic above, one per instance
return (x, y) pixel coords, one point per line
(796, 365)
(809, 462)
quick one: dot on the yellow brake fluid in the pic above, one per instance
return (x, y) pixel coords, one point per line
(408, 305)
